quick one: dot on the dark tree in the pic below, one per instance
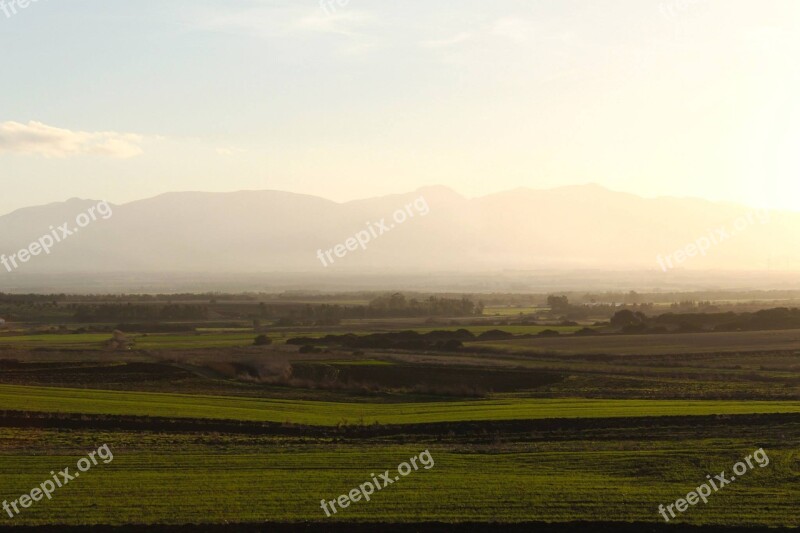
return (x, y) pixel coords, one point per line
(558, 304)
(626, 317)
(262, 340)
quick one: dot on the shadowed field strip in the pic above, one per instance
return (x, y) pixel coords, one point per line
(50, 399)
(652, 344)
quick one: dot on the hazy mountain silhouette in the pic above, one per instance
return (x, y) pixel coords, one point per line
(271, 231)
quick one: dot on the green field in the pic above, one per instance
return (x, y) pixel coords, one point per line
(151, 341)
(49, 399)
(223, 338)
(54, 340)
(515, 329)
(511, 311)
(597, 469)
(173, 478)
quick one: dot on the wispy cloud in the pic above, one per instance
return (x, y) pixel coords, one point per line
(272, 21)
(344, 23)
(230, 151)
(444, 43)
(35, 138)
(515, 28)
(511, 48)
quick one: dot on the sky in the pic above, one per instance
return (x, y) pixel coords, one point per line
(126, 99)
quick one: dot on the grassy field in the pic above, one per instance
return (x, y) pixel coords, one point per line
(50, 399)
(567, 344)
(593, 467)
(172, 478)
(225, 338)
(151, 341)
(515, 329)
(511, 311)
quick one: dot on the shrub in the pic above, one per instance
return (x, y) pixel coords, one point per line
(309, 349)
(548, 333)
(449, 345)
(494, 335)
(262, 340)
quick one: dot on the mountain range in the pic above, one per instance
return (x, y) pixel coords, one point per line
(574, 227)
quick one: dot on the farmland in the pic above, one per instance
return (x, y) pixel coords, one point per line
(745, 341)
(533, 428)
(219, 338)
(327, 413)
(173, 478)
(515, 266)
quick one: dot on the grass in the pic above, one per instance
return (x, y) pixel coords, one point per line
(51, 399)
(225, 330)
(515, 329)
(356, 362)
(220, 337)
(150, 341)
(172, 478)
(55, 340)
(512, 311)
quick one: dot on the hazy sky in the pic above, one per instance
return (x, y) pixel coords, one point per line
(124, 99)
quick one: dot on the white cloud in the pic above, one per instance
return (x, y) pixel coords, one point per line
(35, 138)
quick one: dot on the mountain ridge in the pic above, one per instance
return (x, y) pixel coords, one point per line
(579, 226)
